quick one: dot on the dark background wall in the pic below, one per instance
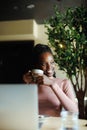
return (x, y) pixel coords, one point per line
(34, 9)
(15, 60)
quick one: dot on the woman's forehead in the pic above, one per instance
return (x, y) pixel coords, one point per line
(46, 56)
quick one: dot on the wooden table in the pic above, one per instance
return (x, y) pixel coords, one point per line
(54, 123)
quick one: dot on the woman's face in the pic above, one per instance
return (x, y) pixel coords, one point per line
(47, 64)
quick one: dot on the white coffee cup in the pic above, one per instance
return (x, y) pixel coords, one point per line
(37, 72)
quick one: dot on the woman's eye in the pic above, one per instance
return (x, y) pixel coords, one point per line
(43, 64)
(52, 62)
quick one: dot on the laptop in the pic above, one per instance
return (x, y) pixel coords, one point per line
(18, 107)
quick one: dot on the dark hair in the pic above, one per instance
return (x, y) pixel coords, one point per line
(41, 48)
(37, 51)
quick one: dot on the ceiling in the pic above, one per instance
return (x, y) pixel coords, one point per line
(26, 9)
(30, 9)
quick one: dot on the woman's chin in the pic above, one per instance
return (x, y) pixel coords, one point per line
(50, 75)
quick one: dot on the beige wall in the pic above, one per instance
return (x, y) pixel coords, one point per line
(22, 30)
(18, 30)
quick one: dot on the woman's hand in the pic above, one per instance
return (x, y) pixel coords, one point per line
(30, 78)
(27, 77)
(44, 80)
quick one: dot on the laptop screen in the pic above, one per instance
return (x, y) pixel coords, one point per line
(18, 107)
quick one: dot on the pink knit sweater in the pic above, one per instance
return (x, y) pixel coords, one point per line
(51, 100)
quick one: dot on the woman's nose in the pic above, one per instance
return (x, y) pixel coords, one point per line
(48, 66)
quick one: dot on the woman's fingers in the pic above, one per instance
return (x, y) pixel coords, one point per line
(31, 78)
(27, 78)
(39, 80)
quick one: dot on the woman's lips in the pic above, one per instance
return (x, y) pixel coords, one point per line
(49, 73)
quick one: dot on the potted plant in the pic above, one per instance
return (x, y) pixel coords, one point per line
(67, 35)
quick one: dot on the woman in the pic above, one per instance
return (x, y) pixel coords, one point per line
(53, 93)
